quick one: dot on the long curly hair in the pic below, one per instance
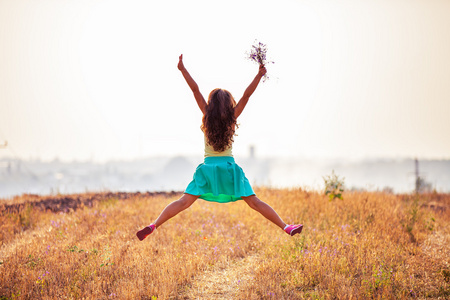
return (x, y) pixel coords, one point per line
(219, 122)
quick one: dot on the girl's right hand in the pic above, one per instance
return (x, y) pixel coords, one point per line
(180, 63)
(262, 70)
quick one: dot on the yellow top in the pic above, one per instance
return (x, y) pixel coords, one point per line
(209, 151)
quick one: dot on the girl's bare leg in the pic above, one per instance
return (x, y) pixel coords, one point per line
(174, 208)
(265, 209)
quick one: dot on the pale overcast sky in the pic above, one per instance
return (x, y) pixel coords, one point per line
(99, 80)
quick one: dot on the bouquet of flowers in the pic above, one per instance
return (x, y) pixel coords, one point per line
(258, 54)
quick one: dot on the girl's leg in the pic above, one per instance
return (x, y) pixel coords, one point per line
(264, 209)
(174, 208)
(170, 211)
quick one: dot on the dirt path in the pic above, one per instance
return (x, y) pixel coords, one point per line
(223, 283)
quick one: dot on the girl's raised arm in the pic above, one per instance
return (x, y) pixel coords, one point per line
(193, 85)
(249, 91)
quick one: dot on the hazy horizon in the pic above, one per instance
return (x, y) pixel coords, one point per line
(200, 156)
(166, 173)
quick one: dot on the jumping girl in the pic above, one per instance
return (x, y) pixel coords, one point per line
(219, 178)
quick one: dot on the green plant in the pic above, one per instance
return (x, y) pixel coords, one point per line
(106, 257)
(413, 216)
(334, 186)
(75, 249)
(25, 217)
(32, 261)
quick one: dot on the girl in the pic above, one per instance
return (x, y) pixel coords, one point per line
(219, 178)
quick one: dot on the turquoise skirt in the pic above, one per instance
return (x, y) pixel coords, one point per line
(219, 179)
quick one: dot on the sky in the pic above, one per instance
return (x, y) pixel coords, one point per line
(98, 80)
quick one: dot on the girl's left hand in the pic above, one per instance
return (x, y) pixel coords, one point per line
(180, 63)
(262, 70)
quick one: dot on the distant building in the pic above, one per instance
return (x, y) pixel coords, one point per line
(252, 152)
(422, 186)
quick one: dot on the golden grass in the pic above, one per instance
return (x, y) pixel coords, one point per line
(370, 245)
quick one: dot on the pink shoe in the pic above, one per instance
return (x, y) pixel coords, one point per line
(294, 229)
(143, 233)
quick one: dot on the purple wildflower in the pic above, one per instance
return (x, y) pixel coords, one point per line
(258, 54)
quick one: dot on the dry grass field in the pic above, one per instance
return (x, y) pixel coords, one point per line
(366, 246)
